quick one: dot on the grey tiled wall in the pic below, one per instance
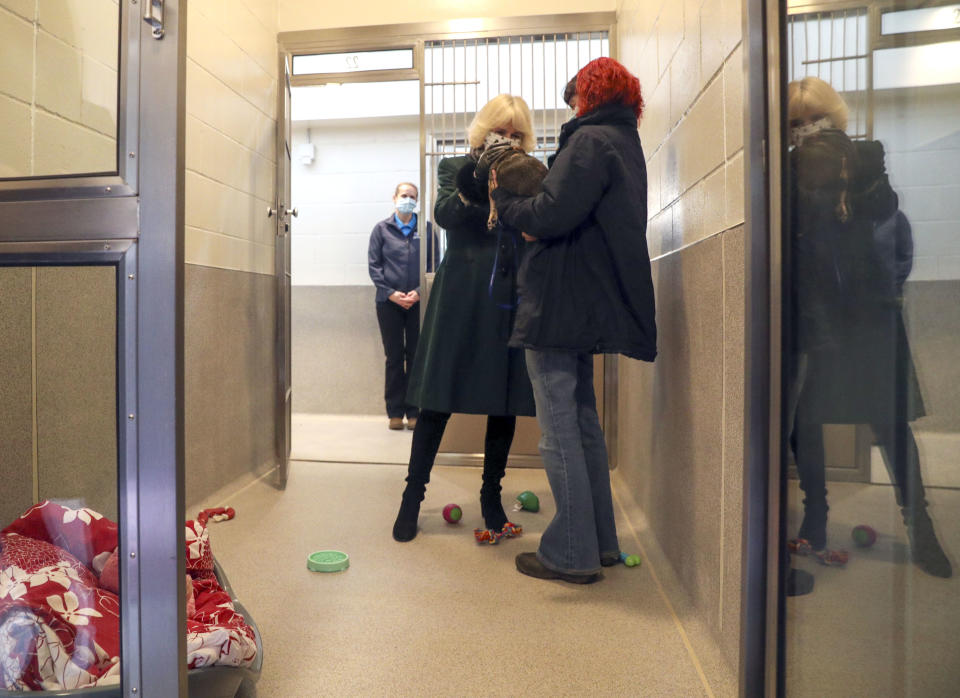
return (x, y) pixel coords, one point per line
(71, 406)
(76, 385)
(229, 377)
(682, 426)
(16, 393)
(338, 360)
(932, 316)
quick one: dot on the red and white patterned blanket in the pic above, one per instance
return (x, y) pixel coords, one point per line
(60, 613)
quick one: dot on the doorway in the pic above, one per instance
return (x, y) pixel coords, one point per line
(353, 143)
(372, 109)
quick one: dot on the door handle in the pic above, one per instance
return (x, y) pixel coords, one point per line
(271, 212)
(153, 15)
(293, 212)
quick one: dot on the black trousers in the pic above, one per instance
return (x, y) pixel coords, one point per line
(900, 455)
(399, 330)
(426, 443)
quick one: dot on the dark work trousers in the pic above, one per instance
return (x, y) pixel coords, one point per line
(426, 443)
(400, 330)
(900, 455)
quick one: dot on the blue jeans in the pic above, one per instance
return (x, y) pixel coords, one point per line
(575, 457)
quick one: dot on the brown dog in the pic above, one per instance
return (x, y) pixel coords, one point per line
(517, 173)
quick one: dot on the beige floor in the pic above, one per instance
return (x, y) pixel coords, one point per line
(878, 627)
(347, 439)
(440, 615)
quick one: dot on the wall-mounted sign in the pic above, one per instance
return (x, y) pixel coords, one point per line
(353, 61)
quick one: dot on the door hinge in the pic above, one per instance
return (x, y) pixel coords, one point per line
(153, 15)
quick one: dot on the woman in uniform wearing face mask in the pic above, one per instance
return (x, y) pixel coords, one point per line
(394, 264)
(463, 363)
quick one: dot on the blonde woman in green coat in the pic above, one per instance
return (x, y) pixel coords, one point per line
(463, 363)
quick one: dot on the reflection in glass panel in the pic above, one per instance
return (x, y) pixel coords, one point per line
(872, 256)
(59, 579)
(58, 87)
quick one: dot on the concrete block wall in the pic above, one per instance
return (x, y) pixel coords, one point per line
(230, 141)
(230, 358)
(920, 132)
(681, 426)
(338, 359)
(345, 191)
(58, 90)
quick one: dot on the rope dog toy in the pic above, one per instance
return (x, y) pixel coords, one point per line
(215, 514)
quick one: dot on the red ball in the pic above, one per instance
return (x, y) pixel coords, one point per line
(452, 513)
(864, 536)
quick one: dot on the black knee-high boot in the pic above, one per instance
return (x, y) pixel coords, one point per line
(497, 443)
(807, 443)
(426, 442)
(903, 461)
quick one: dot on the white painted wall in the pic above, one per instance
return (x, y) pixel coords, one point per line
(345, 191)
(920, 132)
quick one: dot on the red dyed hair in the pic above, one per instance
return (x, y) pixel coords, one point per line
(605, 81)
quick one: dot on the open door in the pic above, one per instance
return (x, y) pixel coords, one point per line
(283, 213)
(91, 351)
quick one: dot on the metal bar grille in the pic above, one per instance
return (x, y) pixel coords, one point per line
(833, 46)
(526, 66)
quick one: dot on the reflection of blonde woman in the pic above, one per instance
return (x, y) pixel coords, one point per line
(851, 361)
(463, 363)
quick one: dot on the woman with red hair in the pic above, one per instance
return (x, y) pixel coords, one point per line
(584, 289)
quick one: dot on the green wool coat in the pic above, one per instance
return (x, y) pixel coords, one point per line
(463, 363)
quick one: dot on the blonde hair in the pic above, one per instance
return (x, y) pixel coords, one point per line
(406, 184)
(503, 111)
(811, 96)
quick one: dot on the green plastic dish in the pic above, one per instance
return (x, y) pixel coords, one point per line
(328, 561)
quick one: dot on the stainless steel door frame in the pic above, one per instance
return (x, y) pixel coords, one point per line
(160, 346)
(132, 219)
(282, 272)
(761, 570)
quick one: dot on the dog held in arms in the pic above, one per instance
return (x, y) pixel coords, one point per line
(517, 173)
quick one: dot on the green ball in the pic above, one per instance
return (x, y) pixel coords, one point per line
(632, 561)
(529, 501)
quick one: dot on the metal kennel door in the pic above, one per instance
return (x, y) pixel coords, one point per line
(463, 74)
(101, 186)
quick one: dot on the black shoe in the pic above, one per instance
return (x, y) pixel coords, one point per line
(491, 507)
(610, 561)
(924, 547)
(528, 564)
(405, 527)
(799, 582)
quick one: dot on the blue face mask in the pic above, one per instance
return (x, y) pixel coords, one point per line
(406, 204)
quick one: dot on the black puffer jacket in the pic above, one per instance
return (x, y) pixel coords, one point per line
(585, 285)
